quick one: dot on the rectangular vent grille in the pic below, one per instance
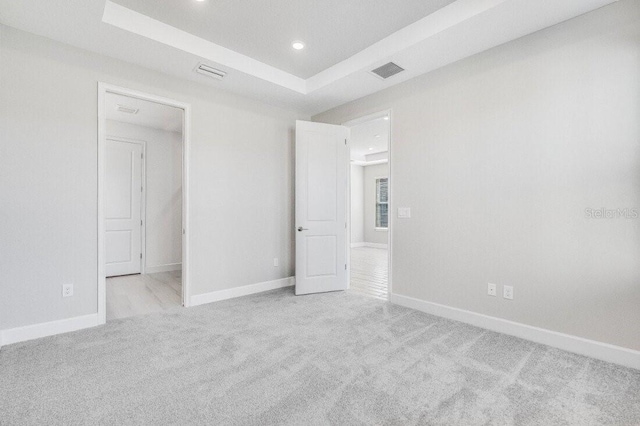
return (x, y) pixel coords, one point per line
(387, 70)
(210, 71)
(126, 109)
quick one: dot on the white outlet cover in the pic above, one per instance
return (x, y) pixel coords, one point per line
(67, 290)
(507, 292)
(492, 289)
(404, 212)
(276, 262)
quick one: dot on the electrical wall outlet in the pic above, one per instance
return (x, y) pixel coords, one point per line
(507, 292)
(492, 290)
(67, 290)
(276, 262)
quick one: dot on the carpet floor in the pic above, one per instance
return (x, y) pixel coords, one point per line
(335, 358)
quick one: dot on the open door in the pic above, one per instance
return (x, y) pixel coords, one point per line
(322, 165)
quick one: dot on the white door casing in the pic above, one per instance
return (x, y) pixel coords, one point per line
(103, 89)
(322, 167)
(123, 204)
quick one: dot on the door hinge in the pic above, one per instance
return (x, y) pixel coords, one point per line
(140, 255)
(140, 223)
(141, 189)
(345, 266)
(345, 141)
(142, 156)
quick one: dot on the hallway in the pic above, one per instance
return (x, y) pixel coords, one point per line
(369, 271)
(132, 295)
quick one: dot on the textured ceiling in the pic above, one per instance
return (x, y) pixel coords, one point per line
(150, 114)
(452, 33)
(367, 138)
(332, 30)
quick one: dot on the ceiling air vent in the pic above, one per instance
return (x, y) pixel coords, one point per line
(126, 109)
(387, 70)
(210, 71)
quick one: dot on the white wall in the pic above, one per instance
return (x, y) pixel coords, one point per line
(163, 185)
(241, 159)
(371, 173)
(500, 154)
(357, 204)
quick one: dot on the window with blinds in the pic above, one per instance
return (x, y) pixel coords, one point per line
(382, 203)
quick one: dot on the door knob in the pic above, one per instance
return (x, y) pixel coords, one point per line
(300, 229)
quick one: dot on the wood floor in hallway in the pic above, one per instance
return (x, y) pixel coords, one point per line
(369, 271)
(132, 295)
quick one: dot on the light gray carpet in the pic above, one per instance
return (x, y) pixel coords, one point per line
(335, 358)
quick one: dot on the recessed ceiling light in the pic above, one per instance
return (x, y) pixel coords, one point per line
(370, 149)
(377, 136)
(386, 117)
(200, 1)
(298, 45)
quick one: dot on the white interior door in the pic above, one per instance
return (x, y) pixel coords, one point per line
(322, 164)
(123, 203)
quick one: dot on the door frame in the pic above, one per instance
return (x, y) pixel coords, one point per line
(143, 196)
(351, 123)
(103, 89)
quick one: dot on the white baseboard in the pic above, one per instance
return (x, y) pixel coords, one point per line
(377, 245)
(371, 245)
(163, 268)
(591, 348)
(216, 296)
(35, 331)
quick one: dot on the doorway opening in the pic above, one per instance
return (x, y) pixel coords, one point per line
(142, 203)
(370, 213)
